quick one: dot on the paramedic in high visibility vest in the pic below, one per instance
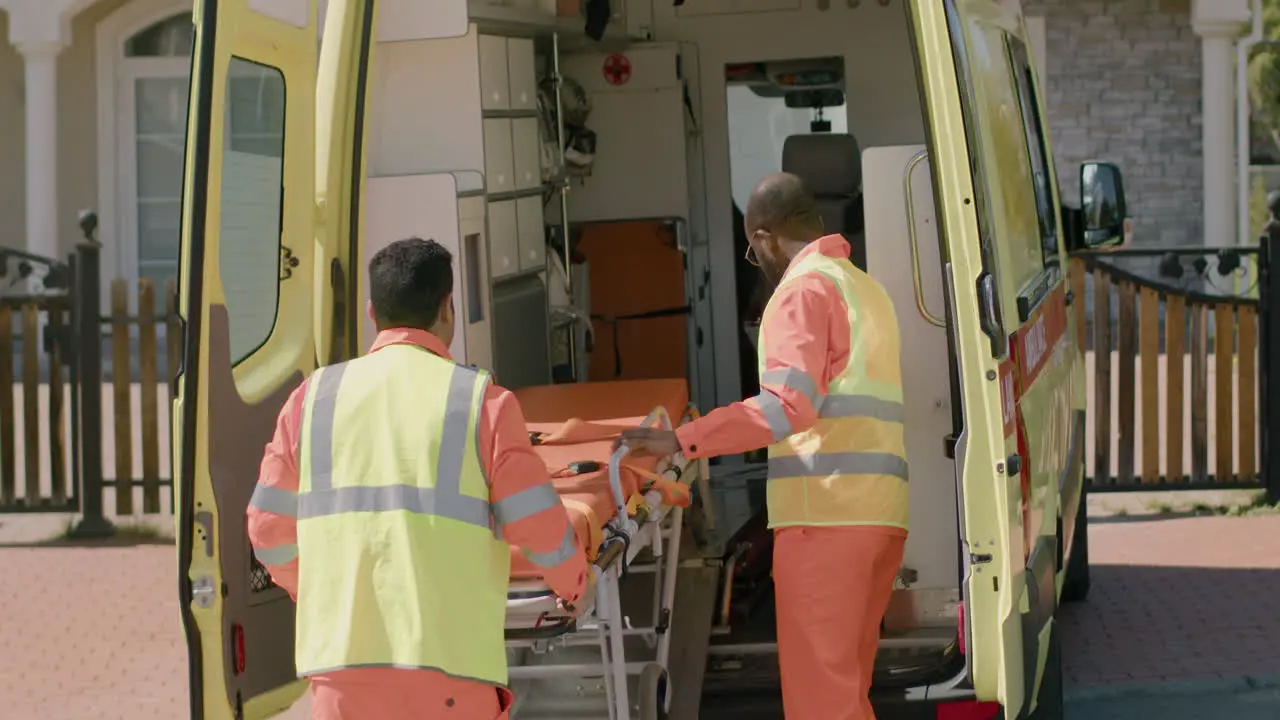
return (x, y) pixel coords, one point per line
(385, 505)
(830, 411)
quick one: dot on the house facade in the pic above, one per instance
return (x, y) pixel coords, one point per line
(93, 98)
(1151, 85)
(93, 111)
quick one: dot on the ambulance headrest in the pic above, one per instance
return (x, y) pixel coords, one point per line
(830, 164)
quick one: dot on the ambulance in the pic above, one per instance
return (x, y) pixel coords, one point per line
(587, 162)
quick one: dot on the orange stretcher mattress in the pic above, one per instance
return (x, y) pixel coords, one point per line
(603, 401)
(587, 496)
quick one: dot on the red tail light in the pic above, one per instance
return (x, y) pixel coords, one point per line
(968, 710)
(237, 646)
(960, 629)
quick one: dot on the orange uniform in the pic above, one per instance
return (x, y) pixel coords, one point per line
(512, 467)
(832, 582)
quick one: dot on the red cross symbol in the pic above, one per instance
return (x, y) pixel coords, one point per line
(617, 69)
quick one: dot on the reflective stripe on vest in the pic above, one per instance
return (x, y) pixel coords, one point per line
(850, 468)
(443, 500)
(833, 406)
(399, 565)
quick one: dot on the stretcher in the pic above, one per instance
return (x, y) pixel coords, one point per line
(627, 514)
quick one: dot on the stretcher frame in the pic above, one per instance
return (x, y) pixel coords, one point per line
(536, 622)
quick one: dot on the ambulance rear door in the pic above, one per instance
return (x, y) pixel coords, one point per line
(995, 199)
(251, 257)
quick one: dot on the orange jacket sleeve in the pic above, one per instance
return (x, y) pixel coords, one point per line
(526, 506)
(806, 333)
(273, 509)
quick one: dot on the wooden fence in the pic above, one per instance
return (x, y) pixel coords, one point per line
(153, 387)
(46, 486)
(1173, 392)
(1173, 381)
(134, 422)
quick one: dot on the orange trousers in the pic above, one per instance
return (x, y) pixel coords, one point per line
(832, 586)
(392, 694)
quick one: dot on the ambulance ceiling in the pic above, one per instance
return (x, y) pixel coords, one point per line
(777, 78)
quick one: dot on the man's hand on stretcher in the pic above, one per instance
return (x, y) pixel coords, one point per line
(586, 599)
(649, 441)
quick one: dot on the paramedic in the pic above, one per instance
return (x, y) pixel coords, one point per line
(830, 411)
(378, 506)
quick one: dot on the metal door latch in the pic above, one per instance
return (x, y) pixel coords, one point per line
(202, 591)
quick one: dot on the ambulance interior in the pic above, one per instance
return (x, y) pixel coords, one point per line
(642, 157)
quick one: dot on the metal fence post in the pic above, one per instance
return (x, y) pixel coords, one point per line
(1269, 359)
(73, 379)
(88, 328)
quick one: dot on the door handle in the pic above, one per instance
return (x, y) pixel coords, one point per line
(916, 277)
(989, 313)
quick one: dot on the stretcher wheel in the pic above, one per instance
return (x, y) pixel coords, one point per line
(653, 692)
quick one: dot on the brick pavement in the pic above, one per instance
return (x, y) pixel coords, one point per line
(93, 633)
(1238, 699)
(1177, 600)
(90, 634)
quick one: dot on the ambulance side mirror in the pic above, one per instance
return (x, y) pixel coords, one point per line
(1103, 220)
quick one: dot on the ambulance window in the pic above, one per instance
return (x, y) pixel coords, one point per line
(249, 244)
(759, 126)
(1031, 122)
(1013, 244)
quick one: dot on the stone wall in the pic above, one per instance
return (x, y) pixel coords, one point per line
(1123, 86)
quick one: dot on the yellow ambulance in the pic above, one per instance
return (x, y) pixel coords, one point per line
(318, 131)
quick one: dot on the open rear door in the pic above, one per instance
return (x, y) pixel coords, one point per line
(960, 79)
(250, 263)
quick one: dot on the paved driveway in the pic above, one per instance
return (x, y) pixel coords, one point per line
(91, 634)
(1180, 625)
(1239, 699)
(1177, 600)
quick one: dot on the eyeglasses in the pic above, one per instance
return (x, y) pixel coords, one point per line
(752, 256)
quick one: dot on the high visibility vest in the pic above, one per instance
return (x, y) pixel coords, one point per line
(850, 468)
(399, 564)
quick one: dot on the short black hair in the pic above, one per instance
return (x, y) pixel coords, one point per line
(409, 280)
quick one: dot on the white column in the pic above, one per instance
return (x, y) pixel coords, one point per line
(41, 61)
(1219, 141)
(1219, 23)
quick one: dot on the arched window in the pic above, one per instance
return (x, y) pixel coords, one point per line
(144, 65)
(172, 37)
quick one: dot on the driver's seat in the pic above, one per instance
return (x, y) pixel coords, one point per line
(830, 164)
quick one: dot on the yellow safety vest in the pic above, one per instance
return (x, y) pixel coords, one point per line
(399, 563)
(850, 468)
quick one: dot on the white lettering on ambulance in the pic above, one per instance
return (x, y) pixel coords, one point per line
(1035, 345)
(1007, 400)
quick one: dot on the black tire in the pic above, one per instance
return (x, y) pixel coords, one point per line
(653, 692)
(1050, 704)
(1075, 587)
